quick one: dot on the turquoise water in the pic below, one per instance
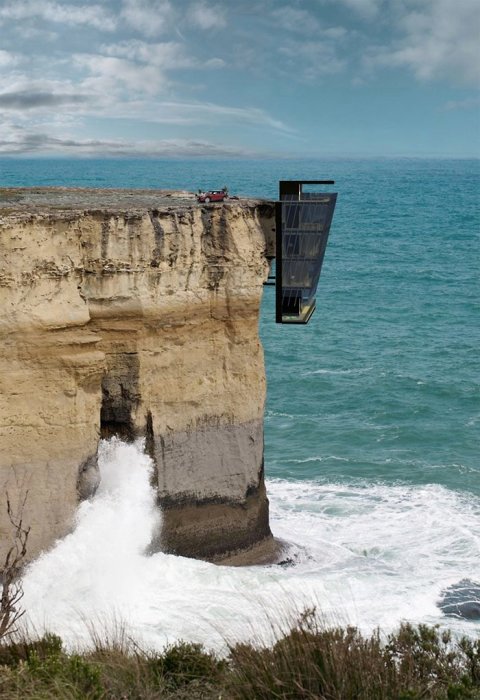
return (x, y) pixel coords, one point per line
(384, 382)
(372, 417)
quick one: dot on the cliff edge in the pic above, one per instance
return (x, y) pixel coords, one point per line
(135, 313)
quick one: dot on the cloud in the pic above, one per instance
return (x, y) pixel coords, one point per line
(27, 142)
(25, 99)
(195, 114)
(215, 63)
(207, 16)
(29, 32)
(211, 113)
(7, 59)
(312, 59)
(295, 20)
(167, 55)
(23, 142)
(71, 14)
(117, 88)
(335, 32)
(111, 74)
(438, 39)
(289, 42)
(468, 103)
(366, 9)
(149, 17)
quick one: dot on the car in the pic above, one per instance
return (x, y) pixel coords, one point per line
(212, 196)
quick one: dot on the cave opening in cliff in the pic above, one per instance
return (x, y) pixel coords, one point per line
(120, 396)
(114, 422)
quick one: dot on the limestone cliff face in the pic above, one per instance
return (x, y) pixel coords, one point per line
(134, 313)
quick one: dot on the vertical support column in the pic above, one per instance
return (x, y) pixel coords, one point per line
(278, 262)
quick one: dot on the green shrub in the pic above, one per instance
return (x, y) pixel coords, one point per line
(341, 664)
(182, 663)
(11, 654)
(308, 662)
(42, 668)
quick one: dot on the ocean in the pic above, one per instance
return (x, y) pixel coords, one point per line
(371, 425)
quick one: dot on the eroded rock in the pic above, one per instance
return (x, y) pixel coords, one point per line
(88, 478)
(134, 313)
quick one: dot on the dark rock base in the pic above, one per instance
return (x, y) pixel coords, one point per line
(212, 530)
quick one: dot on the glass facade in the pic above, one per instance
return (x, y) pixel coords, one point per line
(303, 225)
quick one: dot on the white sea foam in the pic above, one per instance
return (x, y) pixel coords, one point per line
(352, 370)
(320, 458)
(384, 552)
(368, 555)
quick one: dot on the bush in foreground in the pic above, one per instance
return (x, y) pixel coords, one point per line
(307, 662)
(341, 664)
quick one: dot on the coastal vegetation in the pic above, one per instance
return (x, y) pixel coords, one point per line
(306, 662)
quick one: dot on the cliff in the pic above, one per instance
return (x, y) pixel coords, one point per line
(134, 313)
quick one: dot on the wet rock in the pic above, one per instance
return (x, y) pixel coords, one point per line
(462, 599)
(88, 478)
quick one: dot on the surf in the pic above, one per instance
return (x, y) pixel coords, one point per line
(365, 554)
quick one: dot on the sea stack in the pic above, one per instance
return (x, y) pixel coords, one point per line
(134, 313)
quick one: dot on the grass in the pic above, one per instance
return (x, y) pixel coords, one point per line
(308, 662)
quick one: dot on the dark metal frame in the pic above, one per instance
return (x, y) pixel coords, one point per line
(288, 187)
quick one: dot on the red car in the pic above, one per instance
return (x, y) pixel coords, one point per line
(212, 196)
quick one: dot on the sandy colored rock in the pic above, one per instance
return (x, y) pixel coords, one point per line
(134, 313)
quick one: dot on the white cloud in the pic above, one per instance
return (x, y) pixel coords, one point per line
(468, 103)
(167, 55)
(438, 39)
(194, 114)
(149, 17)
(115, 87)
(207, 15)
(366, 9)
(335, 32)
(296, 20)
(49, 11)
(211, 113)
(111, 74)
(7, 59)
(29, 32)
(312, 59)
(215, 63)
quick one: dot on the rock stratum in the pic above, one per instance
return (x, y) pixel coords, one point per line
(134, 313)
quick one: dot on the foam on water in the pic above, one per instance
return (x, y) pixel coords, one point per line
(383, 552)
(368, 554)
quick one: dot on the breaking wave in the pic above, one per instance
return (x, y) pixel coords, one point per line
(369, 554)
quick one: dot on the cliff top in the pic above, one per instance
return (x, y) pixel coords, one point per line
(49, 199)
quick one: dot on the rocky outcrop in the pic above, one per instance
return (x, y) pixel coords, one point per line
(461, 600)
(134, 313)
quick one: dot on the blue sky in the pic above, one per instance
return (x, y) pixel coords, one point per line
(262, 78)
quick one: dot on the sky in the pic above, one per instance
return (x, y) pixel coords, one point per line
(261, 78)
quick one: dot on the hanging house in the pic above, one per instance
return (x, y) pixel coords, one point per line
(302, 226)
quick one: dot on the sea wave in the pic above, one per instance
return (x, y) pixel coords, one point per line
(352, 370)
(369, 554)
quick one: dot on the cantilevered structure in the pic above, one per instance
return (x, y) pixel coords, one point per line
(302, 226)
